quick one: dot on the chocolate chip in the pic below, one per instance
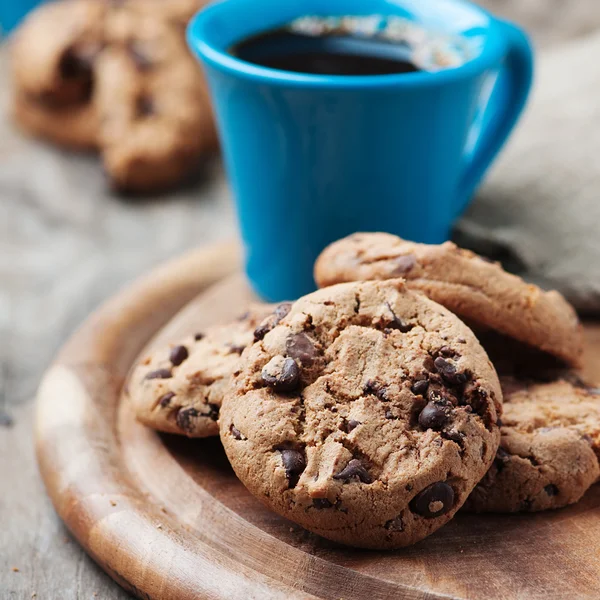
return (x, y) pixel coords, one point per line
(294, 464)
(282, 311)
(76, 62)
(499, 422)
(354, 469)
(281, 374)
(261, 331)
(376, 388)
(144, 107)
(214, 412)
(279, 313)
(447, 352)
(178, 354)
(321, 503)
(448, 371)
(396, 524)
(166, 399)
(455, 436)
(198, 336)
(551, 490)
(404, 264)
(302, 348)
(159, 374)
(351, 425)
(235, 432)
(434, 416)
(433, 501)
(479, 402)
(419, 388)
(139, 55)
(75, 67)
(502, 459)
(233, 349)
(185, 418)
(397, 323)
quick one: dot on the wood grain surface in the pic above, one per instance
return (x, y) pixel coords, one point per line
(167, 518)
(66, 244)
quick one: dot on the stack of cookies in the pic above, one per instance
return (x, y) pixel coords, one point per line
(116, 77)
(418, 380)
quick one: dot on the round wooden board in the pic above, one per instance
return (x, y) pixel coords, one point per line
(167, 519)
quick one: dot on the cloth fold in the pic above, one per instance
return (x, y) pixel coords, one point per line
(538, 211)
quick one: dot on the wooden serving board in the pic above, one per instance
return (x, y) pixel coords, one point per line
(167, 519)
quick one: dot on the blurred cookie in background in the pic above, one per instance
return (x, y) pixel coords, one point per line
(53, 56)
(117, 78)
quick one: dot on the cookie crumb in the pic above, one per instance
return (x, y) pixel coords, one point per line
(113, 503)
(15, 569)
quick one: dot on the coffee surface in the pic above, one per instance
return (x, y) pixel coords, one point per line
(328, 55)
(352, 45)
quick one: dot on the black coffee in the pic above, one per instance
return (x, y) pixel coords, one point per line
(325, 54)
(354, 45)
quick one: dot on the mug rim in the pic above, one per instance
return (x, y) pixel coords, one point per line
(217, 57)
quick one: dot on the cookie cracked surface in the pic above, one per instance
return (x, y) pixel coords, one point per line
(179, 388)
(367, 414)
(477, 290)
(549, 449)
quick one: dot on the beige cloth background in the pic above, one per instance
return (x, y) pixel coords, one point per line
(539, 209)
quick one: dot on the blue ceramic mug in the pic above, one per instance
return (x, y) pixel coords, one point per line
(312, 158)
(12, 12)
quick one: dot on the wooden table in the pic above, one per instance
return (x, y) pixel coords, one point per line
(65, 246)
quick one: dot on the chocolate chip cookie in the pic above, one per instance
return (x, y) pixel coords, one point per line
(548, 455)
(478, 291)
(52, 65)
(366, 414)
(116, 76)
(179, 389)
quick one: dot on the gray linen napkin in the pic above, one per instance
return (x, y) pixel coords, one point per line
(539, 209)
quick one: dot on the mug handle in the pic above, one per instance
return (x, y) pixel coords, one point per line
(504, 107)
